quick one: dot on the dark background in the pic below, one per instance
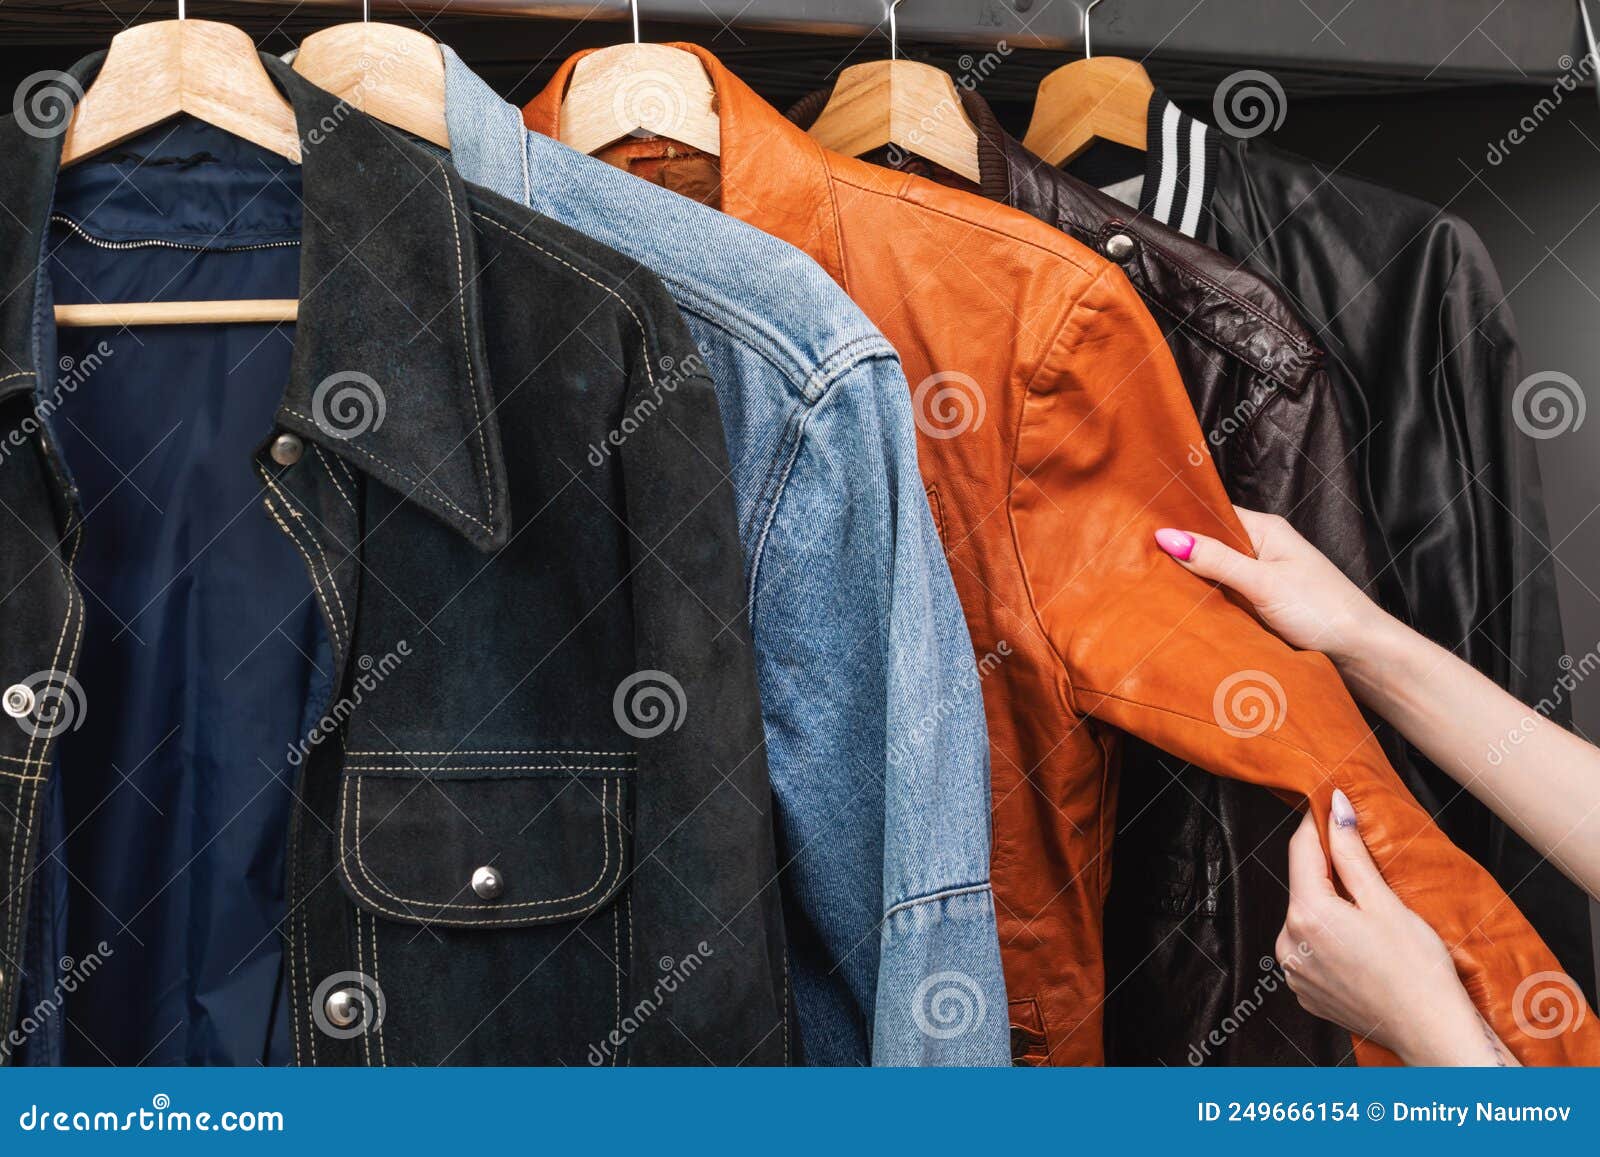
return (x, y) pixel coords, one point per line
(1538, 210)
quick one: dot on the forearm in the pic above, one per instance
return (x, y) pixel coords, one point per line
(1540, 779)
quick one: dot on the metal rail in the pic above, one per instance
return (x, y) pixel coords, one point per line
(1487, 40)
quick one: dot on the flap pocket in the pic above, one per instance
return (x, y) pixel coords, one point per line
(485, 838)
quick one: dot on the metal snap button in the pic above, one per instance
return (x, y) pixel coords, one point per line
(19, 701)
(488, 883)
(1119, 247)
(343, 1007)
(286, 449)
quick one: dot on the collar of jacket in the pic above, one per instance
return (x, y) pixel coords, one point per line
(1229, 306)
(389, 305)
(1180, 173)
(772, 173)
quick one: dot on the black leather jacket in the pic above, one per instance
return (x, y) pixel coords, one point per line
(1406, 299)
(1198, 894)
(629, 915)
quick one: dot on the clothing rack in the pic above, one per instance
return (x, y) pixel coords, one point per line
(1483, 40)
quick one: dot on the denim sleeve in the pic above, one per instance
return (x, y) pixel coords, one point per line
(877, 744)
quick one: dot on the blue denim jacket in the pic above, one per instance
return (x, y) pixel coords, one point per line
(874, 721)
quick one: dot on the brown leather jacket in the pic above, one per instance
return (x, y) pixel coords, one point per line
(1200, 893)
(1054, 435)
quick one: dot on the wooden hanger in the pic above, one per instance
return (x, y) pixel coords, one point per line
(1098, 97)
(897, 102)
(154, 72)
(387, 71)
(640, 90)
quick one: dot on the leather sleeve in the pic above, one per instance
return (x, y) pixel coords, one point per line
(1151, 649)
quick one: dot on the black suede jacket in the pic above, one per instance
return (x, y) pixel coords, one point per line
(544, 836)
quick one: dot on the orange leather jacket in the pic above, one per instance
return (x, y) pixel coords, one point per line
(1054, 438)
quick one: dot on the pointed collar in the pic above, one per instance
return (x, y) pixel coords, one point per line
(773, 175)
(389, 327)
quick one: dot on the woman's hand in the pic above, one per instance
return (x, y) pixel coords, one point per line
(1293, 587)
(1369, 963)
(1539, 778)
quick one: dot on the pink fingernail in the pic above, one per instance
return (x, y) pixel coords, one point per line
(1177, 543)
(1344, 812)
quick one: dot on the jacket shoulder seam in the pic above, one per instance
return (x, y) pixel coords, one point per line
(1056, 252)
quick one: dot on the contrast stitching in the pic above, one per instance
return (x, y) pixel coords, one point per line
(383, 1056)
(486, 751)
(605, 837)
(479, 767)
(327, 466)
(305, 955)
(643, 339)
(13, 866)
(327, 608)
(13, 883)
(361, 965)
(294, 976)
(616, 970)
(403, 475)
(413, 915)
(627, 900)
(344, 617)
(934, 897)
(348, 473)
(18, 374)
(466, 344)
